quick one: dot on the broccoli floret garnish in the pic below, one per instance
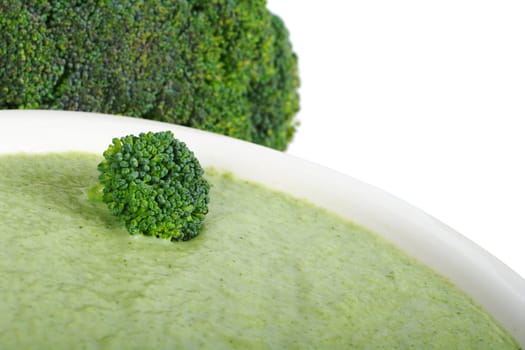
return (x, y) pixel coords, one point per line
(223, 66)
(155, 185)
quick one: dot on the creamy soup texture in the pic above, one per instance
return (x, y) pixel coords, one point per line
(267, 272)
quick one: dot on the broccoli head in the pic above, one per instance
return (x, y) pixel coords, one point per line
(156, 185)
(224, 66)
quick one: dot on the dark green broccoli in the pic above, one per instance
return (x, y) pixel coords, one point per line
(156, 185)
(219, 65)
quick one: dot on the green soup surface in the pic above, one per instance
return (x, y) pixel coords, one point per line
(268, 271)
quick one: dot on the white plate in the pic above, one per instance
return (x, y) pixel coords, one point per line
(492, 284)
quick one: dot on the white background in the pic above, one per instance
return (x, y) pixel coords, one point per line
(424, 99)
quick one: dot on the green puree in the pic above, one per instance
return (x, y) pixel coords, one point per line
(268, 271)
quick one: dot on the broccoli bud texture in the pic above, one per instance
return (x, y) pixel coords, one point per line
(156, 185)
(223, 66)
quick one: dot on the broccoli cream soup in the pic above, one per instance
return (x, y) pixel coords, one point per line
(267, 271)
